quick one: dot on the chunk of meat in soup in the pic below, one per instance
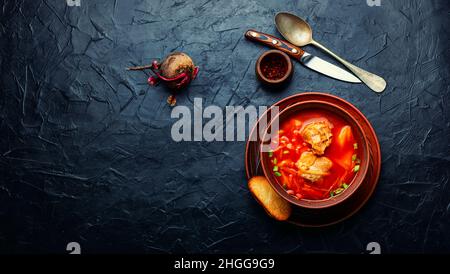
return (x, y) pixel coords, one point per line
(318, 135)
(313, 168)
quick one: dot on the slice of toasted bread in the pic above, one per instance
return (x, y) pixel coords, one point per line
(274, 204)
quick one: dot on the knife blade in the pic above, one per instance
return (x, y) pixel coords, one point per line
(310, 61)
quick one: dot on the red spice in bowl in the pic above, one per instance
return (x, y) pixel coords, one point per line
(274, 67)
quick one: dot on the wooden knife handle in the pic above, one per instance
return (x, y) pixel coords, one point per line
(275, 43)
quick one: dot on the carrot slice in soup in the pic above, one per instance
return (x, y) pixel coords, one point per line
(345, 136)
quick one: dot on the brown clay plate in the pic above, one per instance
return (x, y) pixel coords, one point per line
(328, 216)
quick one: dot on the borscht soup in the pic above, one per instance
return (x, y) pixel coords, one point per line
(315, 155)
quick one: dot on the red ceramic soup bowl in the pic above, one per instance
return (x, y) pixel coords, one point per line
(358, 133)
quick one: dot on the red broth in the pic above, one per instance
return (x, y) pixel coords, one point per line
(343, 152)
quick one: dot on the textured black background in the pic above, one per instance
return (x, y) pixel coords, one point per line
(85, 148)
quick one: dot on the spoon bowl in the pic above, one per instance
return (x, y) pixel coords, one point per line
(294, 29)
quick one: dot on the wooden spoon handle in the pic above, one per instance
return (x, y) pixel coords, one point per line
(275, 43)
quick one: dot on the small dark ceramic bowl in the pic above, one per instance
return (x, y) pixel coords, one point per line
(357, 131)
(280, 56)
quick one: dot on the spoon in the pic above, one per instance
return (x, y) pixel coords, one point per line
(298, 32)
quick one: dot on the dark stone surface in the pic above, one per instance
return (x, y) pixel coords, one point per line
(86, 153)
